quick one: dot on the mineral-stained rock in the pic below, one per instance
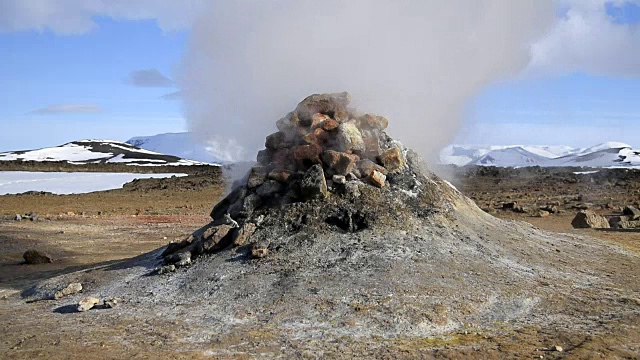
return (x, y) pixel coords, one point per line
(349, 138)
(33, 257)
(313, 184)
(392, 159)
(87, 303)
(328, 104)
(260, 249)
(377, 178)
(589, 219)
(339, 163)
(241, 235)
(317, 120)
(166, 269)
(371, 140)
(257, 176)
(306, 155)
(70, 289)
(330, 124)
(369, 121)
(632, 211)
(367, 167)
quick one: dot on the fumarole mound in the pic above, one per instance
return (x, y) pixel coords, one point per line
(340, 243)
(328, 168)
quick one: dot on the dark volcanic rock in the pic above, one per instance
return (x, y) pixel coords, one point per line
(33, 257)
(313, 184)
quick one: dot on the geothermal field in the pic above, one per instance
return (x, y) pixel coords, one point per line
(339, 242)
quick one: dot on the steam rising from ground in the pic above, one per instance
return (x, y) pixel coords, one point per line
(414, 61)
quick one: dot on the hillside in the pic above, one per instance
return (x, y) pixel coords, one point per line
(176, 144)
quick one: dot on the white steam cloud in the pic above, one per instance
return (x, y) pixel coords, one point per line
(416, 62)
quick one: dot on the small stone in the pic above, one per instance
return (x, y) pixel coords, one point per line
(317, 120)
(392, 159)
(542, 213)
(111, 303)
(378, 179)
(33, 257)
(260, 249)
(18, 217)
(87, 303)
(70, 289)
(557, 348)
(339, 179)
(314, 184)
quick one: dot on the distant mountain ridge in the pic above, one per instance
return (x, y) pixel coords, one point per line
(176, 144)
(610, 154)
(98, 152)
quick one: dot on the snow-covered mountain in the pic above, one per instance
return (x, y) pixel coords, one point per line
(98, 151)
(176, 144)
(610, 154)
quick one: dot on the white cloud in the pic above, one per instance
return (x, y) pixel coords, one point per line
(149, 78)
(68, 109)
(76, 16)
(587, 39)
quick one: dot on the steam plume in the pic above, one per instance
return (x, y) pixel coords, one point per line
(414, 61)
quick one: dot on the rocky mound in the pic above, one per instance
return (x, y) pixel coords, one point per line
(328, 168)
(340, 243)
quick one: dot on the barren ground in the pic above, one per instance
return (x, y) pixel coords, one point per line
(98, 229)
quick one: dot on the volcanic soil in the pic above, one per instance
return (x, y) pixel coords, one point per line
(93, 231)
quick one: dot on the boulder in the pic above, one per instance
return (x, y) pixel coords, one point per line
(277, 140)
(392, 159)
(178, 259)
(87, 303)
(349, 138)
(588, 219)
(222, 207)
(281, 176)
(245, 206)
(317, 120)
(257, 176)
(313, 184)
(330, 125)
(70, 289)
(215, 238)
(339, 163)
(33, 257)
(269, 188)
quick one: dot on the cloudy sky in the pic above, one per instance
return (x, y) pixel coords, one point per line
(73, 69)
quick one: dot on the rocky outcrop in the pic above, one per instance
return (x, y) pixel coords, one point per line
(588, 219)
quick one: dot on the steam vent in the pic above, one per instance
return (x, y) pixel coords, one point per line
(328, 167)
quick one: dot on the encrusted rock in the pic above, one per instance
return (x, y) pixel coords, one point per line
(70, 289)
(245, 206)
(339, 179)
(330, 124)
(269, 188)
(281, 176)
(306, 155)
(260, 249)
(87, 303)
(367, 167)
(589, 219)
(339, 163)
(372, 122)
(241, 235)
(349, 138)
(313, 184)
(317, 120)
(33, 257)
(392, 159)
(328, 104)
(377, 178)
(181, 258)
(213, 239)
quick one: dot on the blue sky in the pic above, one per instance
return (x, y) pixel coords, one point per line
(58, 87)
